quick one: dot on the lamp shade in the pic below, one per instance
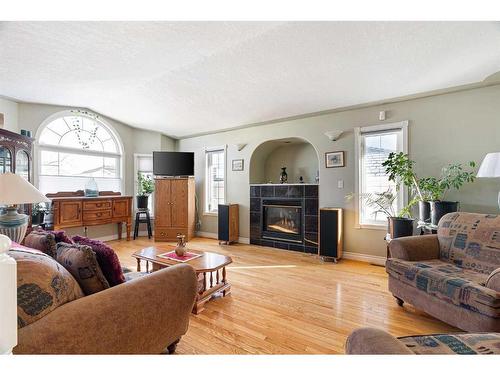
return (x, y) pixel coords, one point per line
(490, 167)
(16, 190)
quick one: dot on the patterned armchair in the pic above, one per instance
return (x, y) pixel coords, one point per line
(454, 275)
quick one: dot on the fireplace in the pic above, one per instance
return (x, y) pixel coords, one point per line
(284, 216)
(282, 220)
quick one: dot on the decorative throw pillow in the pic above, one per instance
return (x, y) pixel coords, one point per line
(41, 240)
(81, 262)
(493, 280)
(107, 259)
(61, 236)
(42, 285)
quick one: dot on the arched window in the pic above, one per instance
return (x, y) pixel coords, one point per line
(74, 147)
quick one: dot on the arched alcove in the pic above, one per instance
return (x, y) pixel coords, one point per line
(296, 154)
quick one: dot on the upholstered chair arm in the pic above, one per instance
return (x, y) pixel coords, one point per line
(141, 316)
(415, 248)
(374, 341)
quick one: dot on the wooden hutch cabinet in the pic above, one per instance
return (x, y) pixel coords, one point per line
(174, 208)
(73, 209)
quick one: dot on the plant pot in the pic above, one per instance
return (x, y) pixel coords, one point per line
(424, 211)
(142, 202)
(37, 218)
(441, 208)
(400, 227)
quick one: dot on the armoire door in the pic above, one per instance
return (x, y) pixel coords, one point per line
(179, 203)
(162, 203)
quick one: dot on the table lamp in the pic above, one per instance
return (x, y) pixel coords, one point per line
(490, 167)
(16, 190)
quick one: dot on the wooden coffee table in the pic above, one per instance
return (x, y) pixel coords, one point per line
(210, 270)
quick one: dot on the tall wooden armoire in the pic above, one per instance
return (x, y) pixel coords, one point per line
(174, 208)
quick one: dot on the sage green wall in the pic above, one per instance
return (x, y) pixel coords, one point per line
(9, 109)
(299, 159)
(134, 140)
(452, 127)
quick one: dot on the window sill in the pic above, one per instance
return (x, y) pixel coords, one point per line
(372, 226)
(210, 214)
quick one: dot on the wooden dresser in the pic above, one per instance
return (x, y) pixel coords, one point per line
(75, 210)
(174, 208)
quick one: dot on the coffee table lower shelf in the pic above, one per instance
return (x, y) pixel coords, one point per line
(210, 272)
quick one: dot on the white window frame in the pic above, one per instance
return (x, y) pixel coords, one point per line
(38, 148)
(136, 186)
(358, 132)
(222, 148)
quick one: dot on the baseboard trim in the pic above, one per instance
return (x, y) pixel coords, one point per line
(374, 259)
(206, 234)
(244, 240)
(113, 237)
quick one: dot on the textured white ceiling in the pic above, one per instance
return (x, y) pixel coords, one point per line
(184, 78)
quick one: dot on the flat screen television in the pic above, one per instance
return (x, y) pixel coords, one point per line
(166, 163)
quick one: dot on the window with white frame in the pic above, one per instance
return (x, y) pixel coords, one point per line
(143, 164)
(75, 147)
(374, 144)
(215, 179)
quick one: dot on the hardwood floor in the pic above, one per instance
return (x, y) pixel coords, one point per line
(283, 302)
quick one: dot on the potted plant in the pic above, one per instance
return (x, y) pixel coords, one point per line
(399, 224)
(453, 176)
(145, 187)
(38, 213)
(399, 167)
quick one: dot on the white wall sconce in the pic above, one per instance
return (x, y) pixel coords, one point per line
(334, 135)
(241, 146)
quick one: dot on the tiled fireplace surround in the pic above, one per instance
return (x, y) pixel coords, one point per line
(307, 194)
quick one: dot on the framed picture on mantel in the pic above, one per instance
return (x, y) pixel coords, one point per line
(334, 159)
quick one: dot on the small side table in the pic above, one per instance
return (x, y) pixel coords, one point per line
(139, 219)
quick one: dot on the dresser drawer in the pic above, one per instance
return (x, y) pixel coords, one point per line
(96, 205)
(93, 216)
(169, 234)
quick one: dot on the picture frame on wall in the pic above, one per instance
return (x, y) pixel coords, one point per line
(238, 165)
(334, 159)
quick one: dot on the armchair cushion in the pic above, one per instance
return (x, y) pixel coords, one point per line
(42, 285)
(41, 240)
(443, 280)
(415, 248)
(81, 262)
(493, 280)
(460, 343)
(107, 259)
(470, 241)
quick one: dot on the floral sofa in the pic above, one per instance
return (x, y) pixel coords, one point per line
(376, 341)
(73, 298)
(454, 275)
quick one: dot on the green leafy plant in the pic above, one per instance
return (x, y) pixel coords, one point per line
(399, 168)
(145, 185)
(383, 203)
(38, 208)
(453, 176)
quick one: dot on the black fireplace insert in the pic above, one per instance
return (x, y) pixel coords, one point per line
(282, 220)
